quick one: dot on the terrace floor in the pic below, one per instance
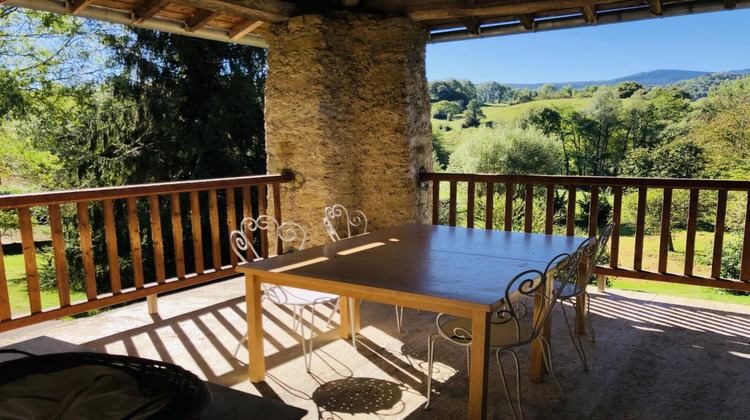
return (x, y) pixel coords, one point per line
(656, 357)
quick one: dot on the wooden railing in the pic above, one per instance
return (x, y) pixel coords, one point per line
(128, 224)
(517, 199)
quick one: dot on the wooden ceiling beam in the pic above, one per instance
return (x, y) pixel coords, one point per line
(265, 10)
(527, 21)
(75, 7)
(655, 6)
(421, 10)
(243, 28)
(589, 13)
(148, 9)
(199, 20)
(471, 24)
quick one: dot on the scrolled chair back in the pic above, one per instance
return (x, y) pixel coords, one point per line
(561, 270)
(292, 235)
(335, 217)
(593, 256)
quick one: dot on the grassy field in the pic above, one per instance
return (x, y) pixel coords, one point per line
(19, 297)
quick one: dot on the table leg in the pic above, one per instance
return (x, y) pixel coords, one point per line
(542, 299)
(480, 323)
(349, 312)
(257, 365)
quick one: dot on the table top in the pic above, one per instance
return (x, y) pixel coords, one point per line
(460, 264)
(227, 403)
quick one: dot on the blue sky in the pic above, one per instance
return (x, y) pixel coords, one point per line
(717, 41)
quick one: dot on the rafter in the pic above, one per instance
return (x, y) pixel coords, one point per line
(472, 25)
(422, 10)
(527, 21)
(199, 20)
(589, 13)
(148, 9)
(655, 6)
(265, 10)
(75, 7)
(243, 28)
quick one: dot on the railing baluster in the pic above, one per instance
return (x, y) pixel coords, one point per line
(277, 212)
(745, 264)
(5, 313)
(528, 209)
(508, 225)
(29, 258)
(490, 205)
(549, 217)
(614, 255)
(594, 211)
(452, 204)
(666, 220)
(113, 258)
(157, 238)
(231, 220)
(263, 209)
(87, 249)
(692, 224)
(134, 231)
(179, 250)
(195, 219)
(58, 252)
(640, 229)
(436, 202)
(721, 213)
(470, 205)
(570, 223)
(213, 217)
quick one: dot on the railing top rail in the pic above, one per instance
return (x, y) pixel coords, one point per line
(600, 181)
(110, 193)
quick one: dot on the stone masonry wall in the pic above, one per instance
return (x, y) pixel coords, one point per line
(347, 110)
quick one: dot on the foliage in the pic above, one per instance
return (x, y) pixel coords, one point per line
(493, 92)
(678, 159)
(459, 91)
(445, 110)
(700, 86)
(627, 89)
(507, 150)
(473, 114)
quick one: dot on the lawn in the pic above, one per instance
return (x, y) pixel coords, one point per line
(19, 297)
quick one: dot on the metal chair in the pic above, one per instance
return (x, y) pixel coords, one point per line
(335, 219)
(291, 235)
(592, 250)
(509, 328)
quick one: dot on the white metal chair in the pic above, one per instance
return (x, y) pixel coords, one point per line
(508, 327)
(291, 235)
(592, 250)
(337, 218)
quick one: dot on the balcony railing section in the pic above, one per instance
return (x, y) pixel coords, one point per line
(129, 242)
(570, 205)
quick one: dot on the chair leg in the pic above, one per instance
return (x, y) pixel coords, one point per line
(333, 312)
(239, 345)
(576, 339)
(430, 358)
(547, 357)
(399, 317)
(505, 383)
(588, 316)
(307, 343)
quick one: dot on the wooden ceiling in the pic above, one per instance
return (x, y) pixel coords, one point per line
(247, 21)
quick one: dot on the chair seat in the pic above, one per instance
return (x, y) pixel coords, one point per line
(501, 334)
(570, 290)
(294, 296)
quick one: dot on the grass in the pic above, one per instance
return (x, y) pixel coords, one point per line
(17, 290)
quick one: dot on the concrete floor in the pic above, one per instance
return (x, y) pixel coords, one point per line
(656, 357)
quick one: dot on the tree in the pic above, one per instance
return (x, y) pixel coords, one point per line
(445, 110)
(547, 91)
(473, 114)
(678, 159)
(453, 90)
(493, 92)
(627, 89)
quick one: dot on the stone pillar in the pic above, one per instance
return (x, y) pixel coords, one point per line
(347, 111)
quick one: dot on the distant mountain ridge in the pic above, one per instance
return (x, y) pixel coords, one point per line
(648, 78)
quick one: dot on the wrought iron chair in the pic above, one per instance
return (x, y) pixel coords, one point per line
(291, 235)
(592, 250)
(335, 219)
(508, 327)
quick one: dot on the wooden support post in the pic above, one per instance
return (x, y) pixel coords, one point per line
(153, 307)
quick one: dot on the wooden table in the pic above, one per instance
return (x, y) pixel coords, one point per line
(454, 270)
(226, 403)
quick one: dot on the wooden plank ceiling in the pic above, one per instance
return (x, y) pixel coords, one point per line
(445, 19)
